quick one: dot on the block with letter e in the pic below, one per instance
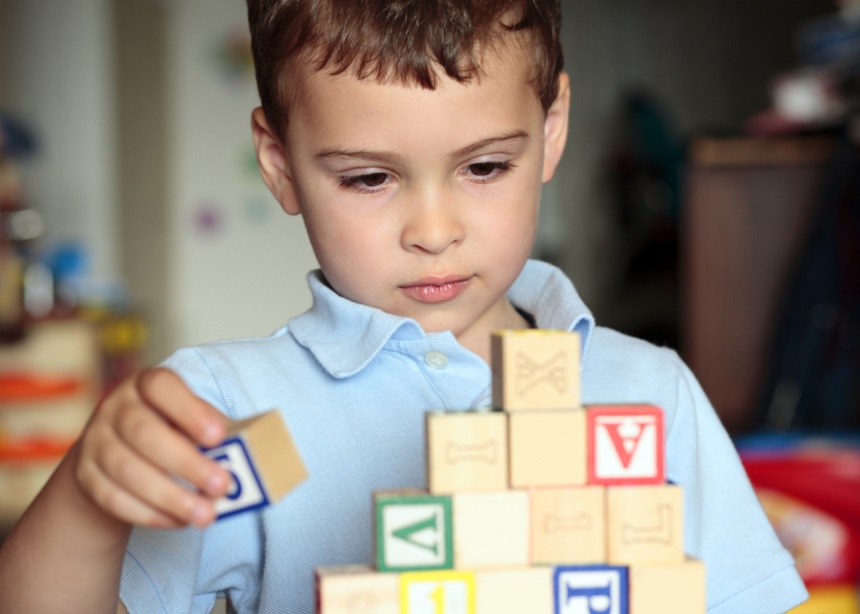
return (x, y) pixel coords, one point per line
(535, 369)
(413, 531)
(263, 461)
(467, 451)
(625, 444)
(591, 589)
(356, 589)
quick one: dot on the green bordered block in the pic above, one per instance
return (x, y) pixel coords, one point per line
(437, 592)
(413, 531)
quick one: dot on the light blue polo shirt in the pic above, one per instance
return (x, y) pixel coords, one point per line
(354, 384)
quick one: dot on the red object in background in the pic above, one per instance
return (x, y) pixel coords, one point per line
(811, 494)
(25, 387)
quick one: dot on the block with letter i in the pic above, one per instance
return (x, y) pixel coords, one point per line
(413, 531)
(467, 451)
(263, 461)
(625, 445)
(535, 369)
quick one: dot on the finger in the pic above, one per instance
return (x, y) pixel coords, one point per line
(159, 443)
(109, 496)
(150, 486)
(168, 394)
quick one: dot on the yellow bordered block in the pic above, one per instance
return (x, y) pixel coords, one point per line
(568, 525)
(659, 588)
(413, 531)
(467, 451)
(535, 369)
(645, 524)
(263, 461)
(356, 588)
(437, 592)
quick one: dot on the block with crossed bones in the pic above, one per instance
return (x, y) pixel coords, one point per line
(536, 369)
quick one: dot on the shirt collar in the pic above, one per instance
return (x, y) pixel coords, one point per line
(345, 336)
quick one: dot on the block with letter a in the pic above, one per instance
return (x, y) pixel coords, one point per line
(625, 445)
(591, 589)
(413, 531)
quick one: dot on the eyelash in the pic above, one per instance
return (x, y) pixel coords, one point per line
(357, 182)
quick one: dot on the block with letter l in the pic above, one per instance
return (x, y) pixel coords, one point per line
(263, 461)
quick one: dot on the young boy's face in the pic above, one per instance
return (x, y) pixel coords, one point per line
(421, 203)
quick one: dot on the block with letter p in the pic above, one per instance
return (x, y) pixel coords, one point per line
(535, 369)
(262, 460)
(413, 531)
(625, 445)
(591, 589)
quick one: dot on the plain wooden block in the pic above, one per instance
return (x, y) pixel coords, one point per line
(491, 529)
(547, 448)
(668, 589)
(524, 590)
(645, 524)
(467, 451)
(413, 531)
(591, 589)
(568, 525)
(625, 445)
(432, 592)
(356, 589)
(263, 460)
(535, 369)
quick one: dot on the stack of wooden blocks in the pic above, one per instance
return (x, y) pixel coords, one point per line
(542, 506)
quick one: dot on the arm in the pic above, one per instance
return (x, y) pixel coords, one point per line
(121, 472)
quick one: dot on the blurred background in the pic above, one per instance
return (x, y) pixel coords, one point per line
(708, 201)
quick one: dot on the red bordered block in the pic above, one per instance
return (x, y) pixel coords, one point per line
(625, 445)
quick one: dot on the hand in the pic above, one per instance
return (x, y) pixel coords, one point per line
(143, 436)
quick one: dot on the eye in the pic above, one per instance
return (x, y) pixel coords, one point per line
(484, 172)
(371, 182)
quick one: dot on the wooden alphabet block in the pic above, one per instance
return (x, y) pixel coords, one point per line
(491, 529)
(568, 525)
(432, 592)
(668, 589)
(625, 445)
(521, 590)
(645, 524)
(356, 589)
(262, 460)
(466, 451)
(590, 589)
(413, 531)
(547, 448)
(535, 369)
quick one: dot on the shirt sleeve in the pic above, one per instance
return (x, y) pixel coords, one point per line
(186, 570)
(748, 569)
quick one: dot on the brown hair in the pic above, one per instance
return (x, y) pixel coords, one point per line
(396, 40)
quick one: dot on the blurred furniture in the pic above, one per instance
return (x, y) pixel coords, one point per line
(748, 205)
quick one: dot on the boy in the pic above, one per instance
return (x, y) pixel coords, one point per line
(413, 137)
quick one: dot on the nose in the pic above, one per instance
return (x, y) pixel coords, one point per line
(433, 222)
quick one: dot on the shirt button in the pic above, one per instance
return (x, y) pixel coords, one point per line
(437, 360)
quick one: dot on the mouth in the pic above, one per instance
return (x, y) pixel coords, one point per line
(436, 289)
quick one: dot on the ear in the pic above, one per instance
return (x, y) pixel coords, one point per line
(555, 128)
(273, 163)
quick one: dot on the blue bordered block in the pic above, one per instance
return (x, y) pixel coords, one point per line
(591, 589)
(263, 461)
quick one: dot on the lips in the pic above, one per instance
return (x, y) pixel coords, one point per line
(436, 289)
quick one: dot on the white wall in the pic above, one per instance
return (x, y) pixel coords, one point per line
(60, 80)
(248, 276)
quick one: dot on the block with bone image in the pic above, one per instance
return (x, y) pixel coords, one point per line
(466, 451)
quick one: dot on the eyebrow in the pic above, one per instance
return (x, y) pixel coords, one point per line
(393, 158)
